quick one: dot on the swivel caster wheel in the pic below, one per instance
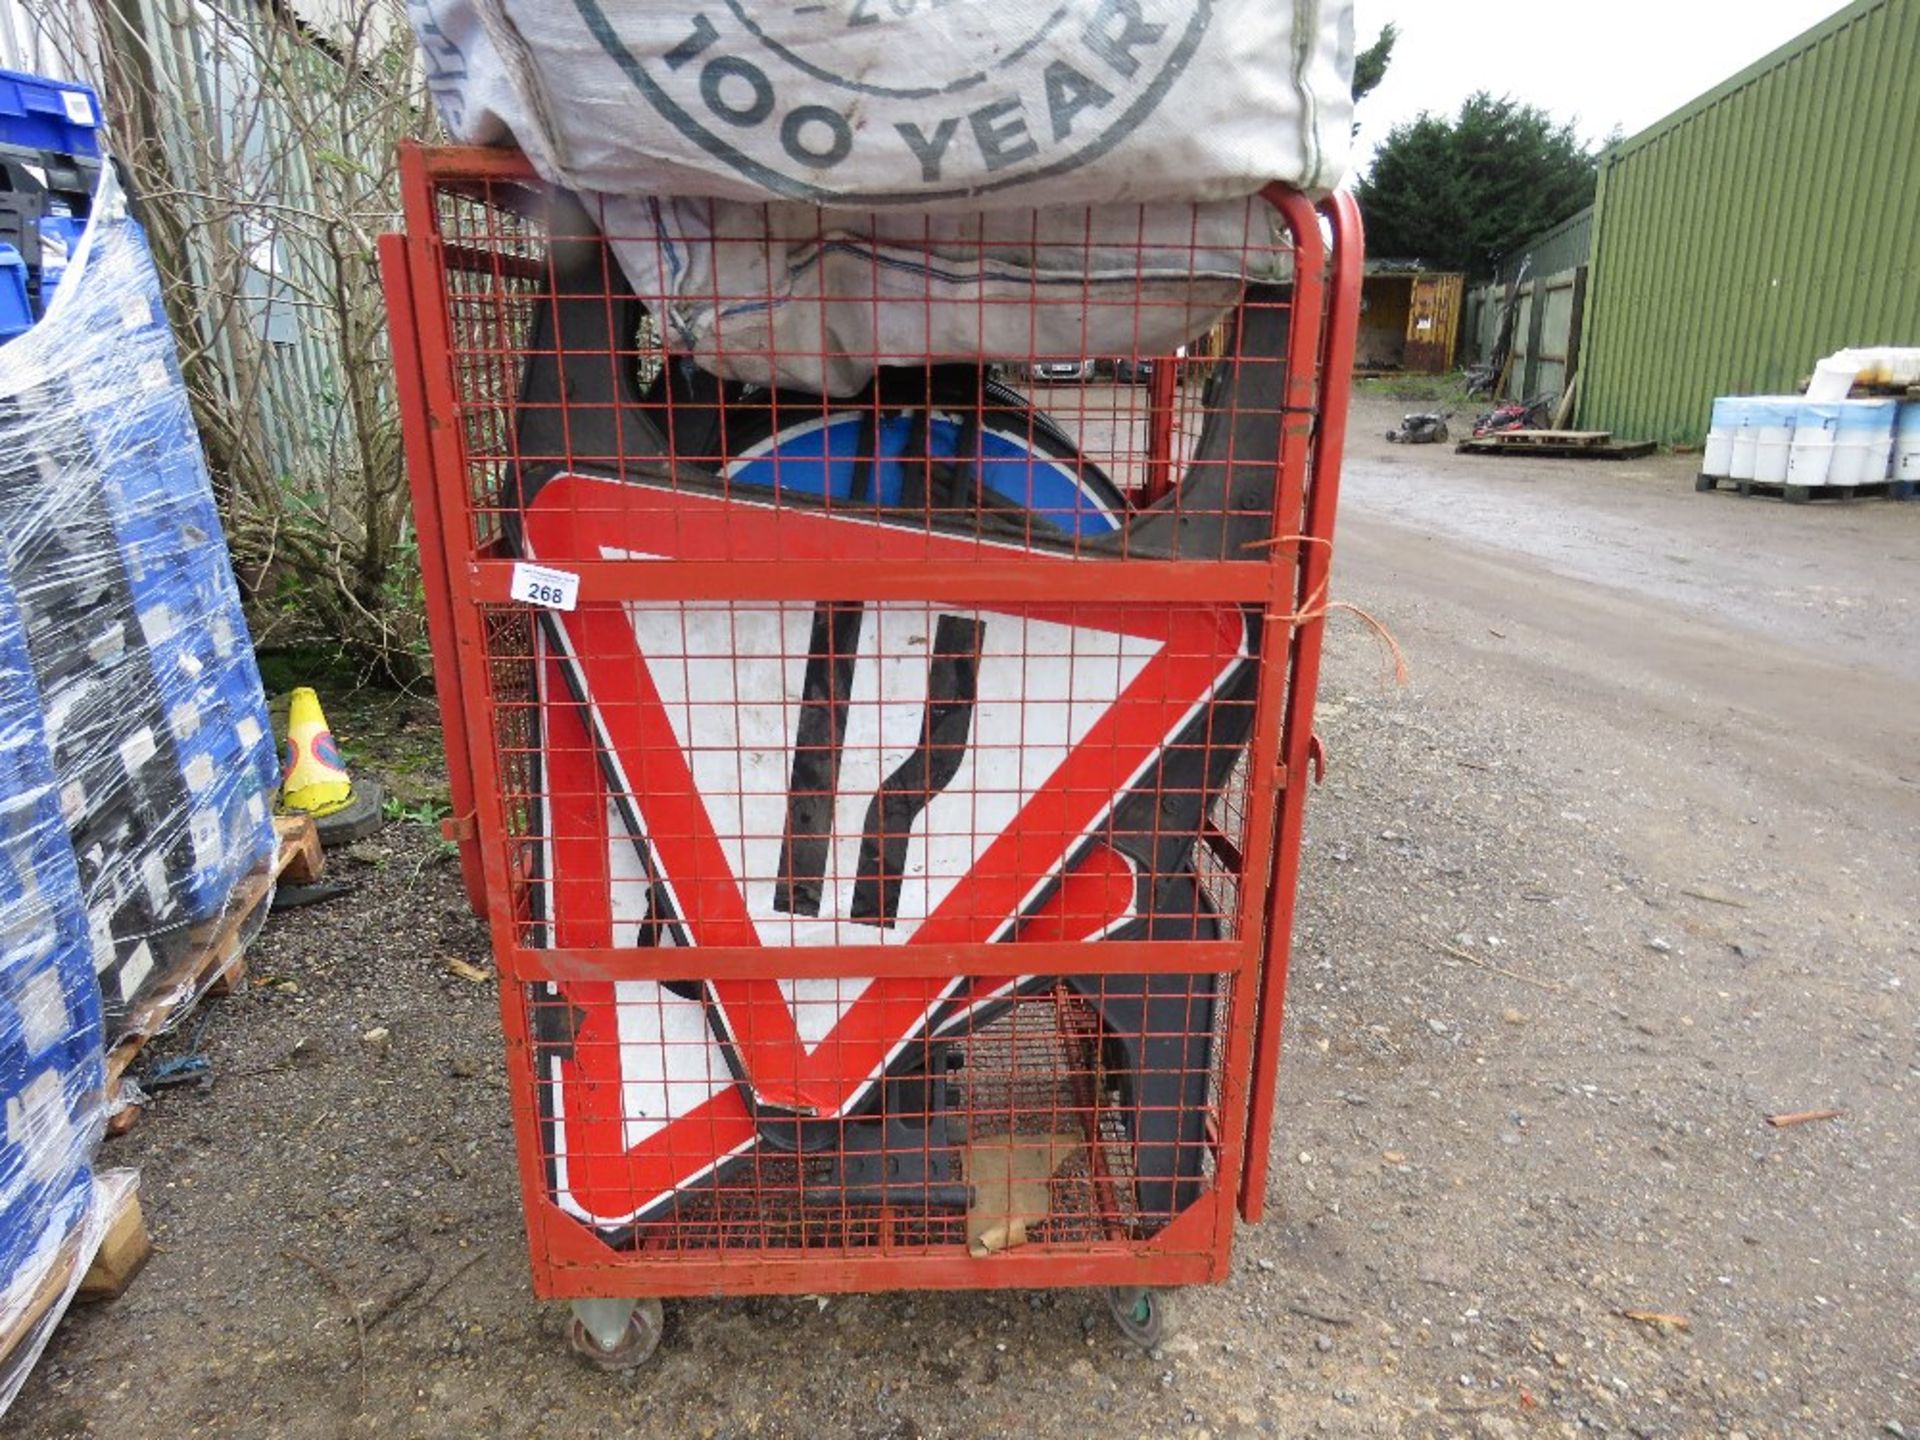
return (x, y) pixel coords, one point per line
(1142, 1315)
(616, 1334)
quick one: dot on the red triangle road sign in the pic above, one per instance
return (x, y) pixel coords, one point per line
(640, 1100)
(778, 774)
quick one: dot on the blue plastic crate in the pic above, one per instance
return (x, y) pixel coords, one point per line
(229, 823)
(16, 311)
(59, 238)
(50, 1082)
(39, 881)
(41, 114)
(175, 564)
(209, 691)
(37, 874)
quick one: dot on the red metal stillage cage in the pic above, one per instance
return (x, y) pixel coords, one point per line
(886, 804)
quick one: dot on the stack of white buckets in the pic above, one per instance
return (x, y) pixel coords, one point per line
(1813, 444)
(1822, 439)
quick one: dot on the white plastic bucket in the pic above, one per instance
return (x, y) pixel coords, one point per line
(1906, 450)
(1833, 378)
(1863, 444)
(1773, 442)
(1718, 459)
(1810, 459)
(1746, 440)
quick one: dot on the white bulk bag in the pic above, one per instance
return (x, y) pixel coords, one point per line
(966, 104)
(788, 294)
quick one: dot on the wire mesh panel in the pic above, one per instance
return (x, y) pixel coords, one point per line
(876, 747)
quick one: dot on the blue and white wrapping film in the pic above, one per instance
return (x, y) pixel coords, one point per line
(50, 1025)
(160, 500)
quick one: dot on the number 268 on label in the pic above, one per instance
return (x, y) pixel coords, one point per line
(549, 589)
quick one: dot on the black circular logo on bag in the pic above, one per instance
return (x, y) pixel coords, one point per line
(954, 97)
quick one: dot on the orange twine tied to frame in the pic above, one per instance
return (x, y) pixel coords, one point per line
(1319, 607)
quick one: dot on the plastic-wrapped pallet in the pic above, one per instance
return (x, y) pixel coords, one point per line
(160, 503)
(155, 716)
(50, 1032)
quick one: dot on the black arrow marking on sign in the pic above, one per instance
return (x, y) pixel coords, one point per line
(953, 683)
(817, 744)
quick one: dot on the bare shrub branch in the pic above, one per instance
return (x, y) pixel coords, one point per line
(259, 146)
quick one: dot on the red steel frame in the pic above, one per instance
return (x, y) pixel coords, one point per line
(1289, 582)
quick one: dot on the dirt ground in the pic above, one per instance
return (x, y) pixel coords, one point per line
(1627, 866)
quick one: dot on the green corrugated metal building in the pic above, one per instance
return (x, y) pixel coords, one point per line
(1774, 220)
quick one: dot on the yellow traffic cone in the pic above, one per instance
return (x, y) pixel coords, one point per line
(315, 782)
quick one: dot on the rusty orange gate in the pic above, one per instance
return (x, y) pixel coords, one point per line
(886, 808)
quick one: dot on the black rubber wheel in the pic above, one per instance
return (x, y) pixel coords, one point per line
(636, 1347)
(364, 814)
(1141, 1314)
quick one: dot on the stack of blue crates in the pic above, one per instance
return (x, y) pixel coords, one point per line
(136, 759)
(50, 1023)
(49, 164)
(121, 792)
(160, 503)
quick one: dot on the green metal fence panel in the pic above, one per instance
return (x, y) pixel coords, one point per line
(1773, 221)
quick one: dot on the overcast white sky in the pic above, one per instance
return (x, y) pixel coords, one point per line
(1601, 63)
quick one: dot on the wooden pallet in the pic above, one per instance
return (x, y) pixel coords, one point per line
(1801, 494)
(216, 961)
(1549, 439)
(123, 1248)
(1557, 444)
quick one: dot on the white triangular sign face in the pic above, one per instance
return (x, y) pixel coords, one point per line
(670, 1063)
(731, 678)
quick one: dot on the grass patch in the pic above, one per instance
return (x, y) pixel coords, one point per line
(1432, 392)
